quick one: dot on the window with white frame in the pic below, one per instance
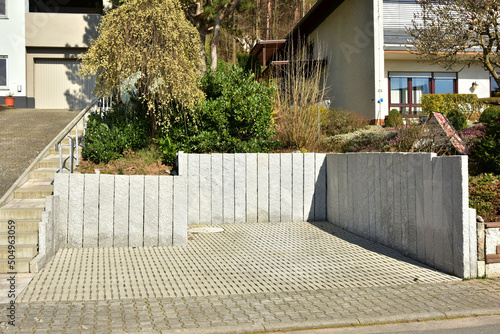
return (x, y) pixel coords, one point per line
(3, 71)
(3, 8)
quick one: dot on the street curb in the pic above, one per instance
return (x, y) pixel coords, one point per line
(344, 322)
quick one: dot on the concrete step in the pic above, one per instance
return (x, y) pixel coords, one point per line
(65, 150)
(20, 252)
(35, 188)
(23, 209)
(19, 238)
(20, 266)
(51, 161)
(43, 173)
(20, 226)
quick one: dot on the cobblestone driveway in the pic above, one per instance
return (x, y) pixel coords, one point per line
(250, 278)
(245, 258)
(24, 133)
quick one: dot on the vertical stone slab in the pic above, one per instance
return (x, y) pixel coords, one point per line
(429, 224)
(375, 217)
(193, 174)
(205, 189)
(447, 215)
(263, 187)
(332, 188)
(460, 228)
(251, 188)
(217, 191)
(397, 221)
(404, 204)
(474, 272)
(320, 187)
(297, 187)
(309, 186)
(240, 188)
(363, 187)
(228, 187)
(61, 189)
(274, 188)
(165, 212)
(352, 179)
(439, 217)
(151, 210)
(136, 211)
(418, 165)
(286, 187)
(106, 210)
(411, 165)
(180, 222)
(388, 210)
(121, 210)
(91, 211)
(343, 196)
(370, 193)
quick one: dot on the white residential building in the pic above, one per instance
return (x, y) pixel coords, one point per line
(39, 46)
(370, 70)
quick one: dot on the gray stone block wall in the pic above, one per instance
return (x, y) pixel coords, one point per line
(138, 210)
(414, 203)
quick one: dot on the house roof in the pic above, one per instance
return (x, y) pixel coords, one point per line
(265, 50)
(314, 17)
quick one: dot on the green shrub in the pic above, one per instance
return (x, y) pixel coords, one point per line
(394, 119)
(236, 117)
(443, 103)
(107, 136)
(489, 114)
(457, 119)
(488, 150)
(484, 195)
(338, 121)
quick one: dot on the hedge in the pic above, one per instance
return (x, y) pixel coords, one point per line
(443, 103)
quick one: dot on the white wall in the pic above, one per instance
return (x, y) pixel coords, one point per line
(348, 35)
(12, 44)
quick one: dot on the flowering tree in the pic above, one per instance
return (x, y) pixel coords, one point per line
(152, 43)
(458, 32)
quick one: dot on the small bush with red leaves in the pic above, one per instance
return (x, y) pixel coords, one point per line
(484, 195)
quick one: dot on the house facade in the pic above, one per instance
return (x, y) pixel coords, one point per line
(370, 70)
(39, 48)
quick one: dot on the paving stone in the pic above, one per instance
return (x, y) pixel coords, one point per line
(306, 261)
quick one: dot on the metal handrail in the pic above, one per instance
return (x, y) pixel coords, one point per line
(104, 104)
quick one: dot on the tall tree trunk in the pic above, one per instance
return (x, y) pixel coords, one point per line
(234, 40)
(203, 38)
(268, 20)
(257, 20)
(215, 42)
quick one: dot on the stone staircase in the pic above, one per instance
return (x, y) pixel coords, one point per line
(25, 210)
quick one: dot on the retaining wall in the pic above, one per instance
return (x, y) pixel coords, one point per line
(120, 211)
(416, 203)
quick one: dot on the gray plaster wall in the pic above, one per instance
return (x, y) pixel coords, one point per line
(416, 203)
(122, 211)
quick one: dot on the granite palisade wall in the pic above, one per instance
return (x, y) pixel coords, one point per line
(416, 203)
(121, 211)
